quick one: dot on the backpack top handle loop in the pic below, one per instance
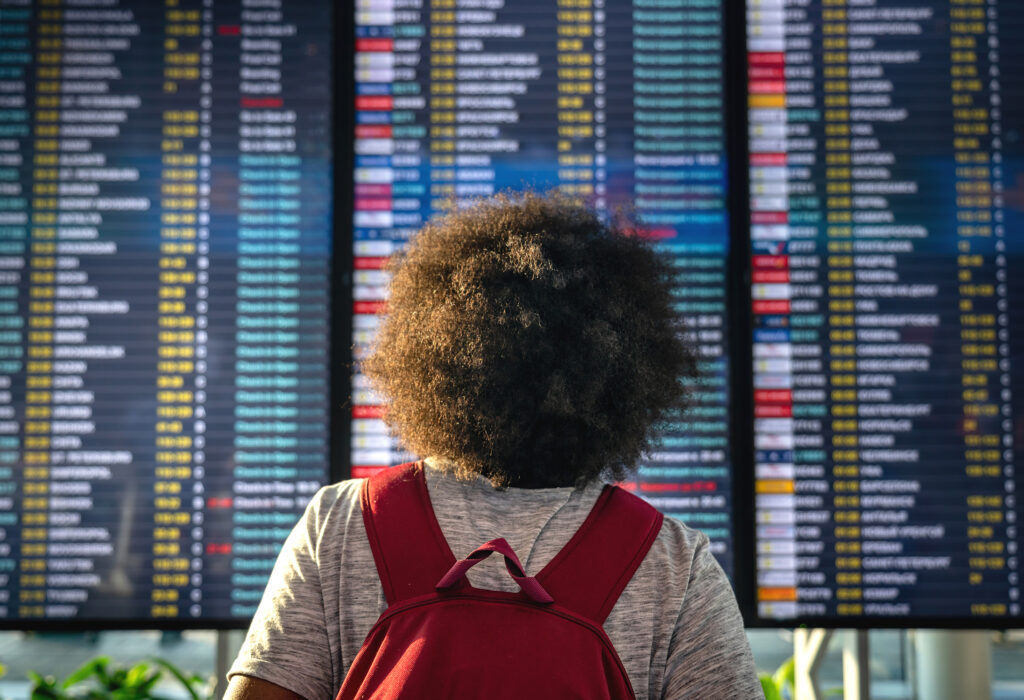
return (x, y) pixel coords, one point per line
(528, 584)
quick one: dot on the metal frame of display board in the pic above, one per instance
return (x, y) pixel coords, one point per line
(340, 356)
(741, 422)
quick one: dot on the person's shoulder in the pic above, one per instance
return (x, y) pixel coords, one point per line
(678, 549)
(679, 543)
(338, 493)
(337, 499)
(675, 530)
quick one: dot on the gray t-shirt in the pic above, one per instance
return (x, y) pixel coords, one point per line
(676, 626)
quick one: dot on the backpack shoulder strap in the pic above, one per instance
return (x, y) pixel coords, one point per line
(408, 546)
(593, 569)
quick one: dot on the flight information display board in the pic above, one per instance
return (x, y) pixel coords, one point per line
(886, 178)
(615, 102)
(165, 241)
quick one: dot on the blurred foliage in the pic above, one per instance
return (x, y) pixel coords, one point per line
(780, 685)
(99, 679)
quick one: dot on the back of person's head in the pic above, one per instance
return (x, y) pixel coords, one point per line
(531, 342)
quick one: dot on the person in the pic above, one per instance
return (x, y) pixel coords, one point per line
(532, 352)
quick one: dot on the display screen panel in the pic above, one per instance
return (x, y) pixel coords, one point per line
(885, 174)
(615, 102)
(165, 243)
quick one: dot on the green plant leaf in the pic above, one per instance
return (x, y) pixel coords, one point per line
(189, 682)
(47, 693)
(145, 688)
(768, 687)
(136, 674)
(102, 665)
(785, 675)
(83, 672)
(117, 679)
(44, 688)
(139, 677)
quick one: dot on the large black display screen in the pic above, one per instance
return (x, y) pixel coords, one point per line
(613, 102)
(886, 179)
(165, 238)
(166, 214)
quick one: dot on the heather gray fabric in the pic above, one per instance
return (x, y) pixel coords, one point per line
(676, 626)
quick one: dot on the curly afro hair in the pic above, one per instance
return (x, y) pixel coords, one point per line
(530, 342)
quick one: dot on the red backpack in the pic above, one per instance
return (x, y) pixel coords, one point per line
(442, 638)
